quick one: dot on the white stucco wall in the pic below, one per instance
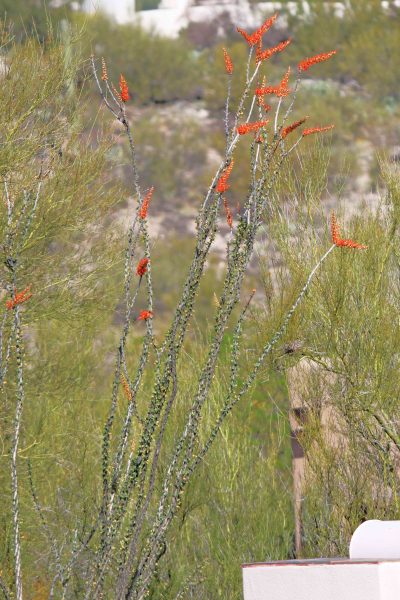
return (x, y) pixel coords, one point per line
(123, 11)
(318, 580)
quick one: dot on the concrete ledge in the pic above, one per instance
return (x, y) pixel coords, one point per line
(322, 579)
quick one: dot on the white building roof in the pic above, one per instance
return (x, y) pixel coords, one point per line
(173, 15)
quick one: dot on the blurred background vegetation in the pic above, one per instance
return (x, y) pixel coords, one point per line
(349, 321)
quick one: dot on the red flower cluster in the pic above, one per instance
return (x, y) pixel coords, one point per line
(123, 86)
(254, 38)
(228, 62)
(19, 298)
(247, 127)
(141, 268)
(260, 100)
(292, 127)
(144, 315)
(145, 204)
(282, 90)
(222, 185)
(269, 89)
(305, 64)
(266, 54)
(229, 218)
(335, 231)
(338, 241)
(317, 130)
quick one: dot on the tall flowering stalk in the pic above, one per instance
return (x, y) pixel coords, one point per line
(254, 38)
(286, 130)
(228, 62)
(266, 54)
(312, 130)
(222, 185)
(18, 229)
(341, 242)
(123, 87)
(251, 127)
(305, 64)
(142, 494)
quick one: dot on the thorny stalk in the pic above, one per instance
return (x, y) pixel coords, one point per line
(50, 538)
(14, 453)
(230, 401)
(17, 233)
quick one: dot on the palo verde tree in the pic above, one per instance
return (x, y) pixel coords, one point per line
(55, 290)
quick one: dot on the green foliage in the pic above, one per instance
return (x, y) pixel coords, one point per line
(215, 534)
(367, 37)
(157, 69)
(35, 17)
(46, 154)
(147, 4)
(172, 173)
(349, 327)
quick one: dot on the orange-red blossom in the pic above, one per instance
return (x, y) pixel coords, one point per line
(292, 127)
(144, 315)
(254, 38)
(247, 127)
(228, 62)
(142, 266)
(19, 298)
(123, 86)
(260, 100)
(281, 91)
(266, 54)
(222, 185)
(269, 89)
(228, 213)
(305, 64)
(283, 88)
(340, 242)
(145, 204)
(312, 130)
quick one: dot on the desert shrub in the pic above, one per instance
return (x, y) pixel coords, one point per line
(349, 330)
(366, 35)
(55, 238)
(162, 68)
(34, 18)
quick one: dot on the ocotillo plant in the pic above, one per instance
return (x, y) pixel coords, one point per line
(143, 481)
